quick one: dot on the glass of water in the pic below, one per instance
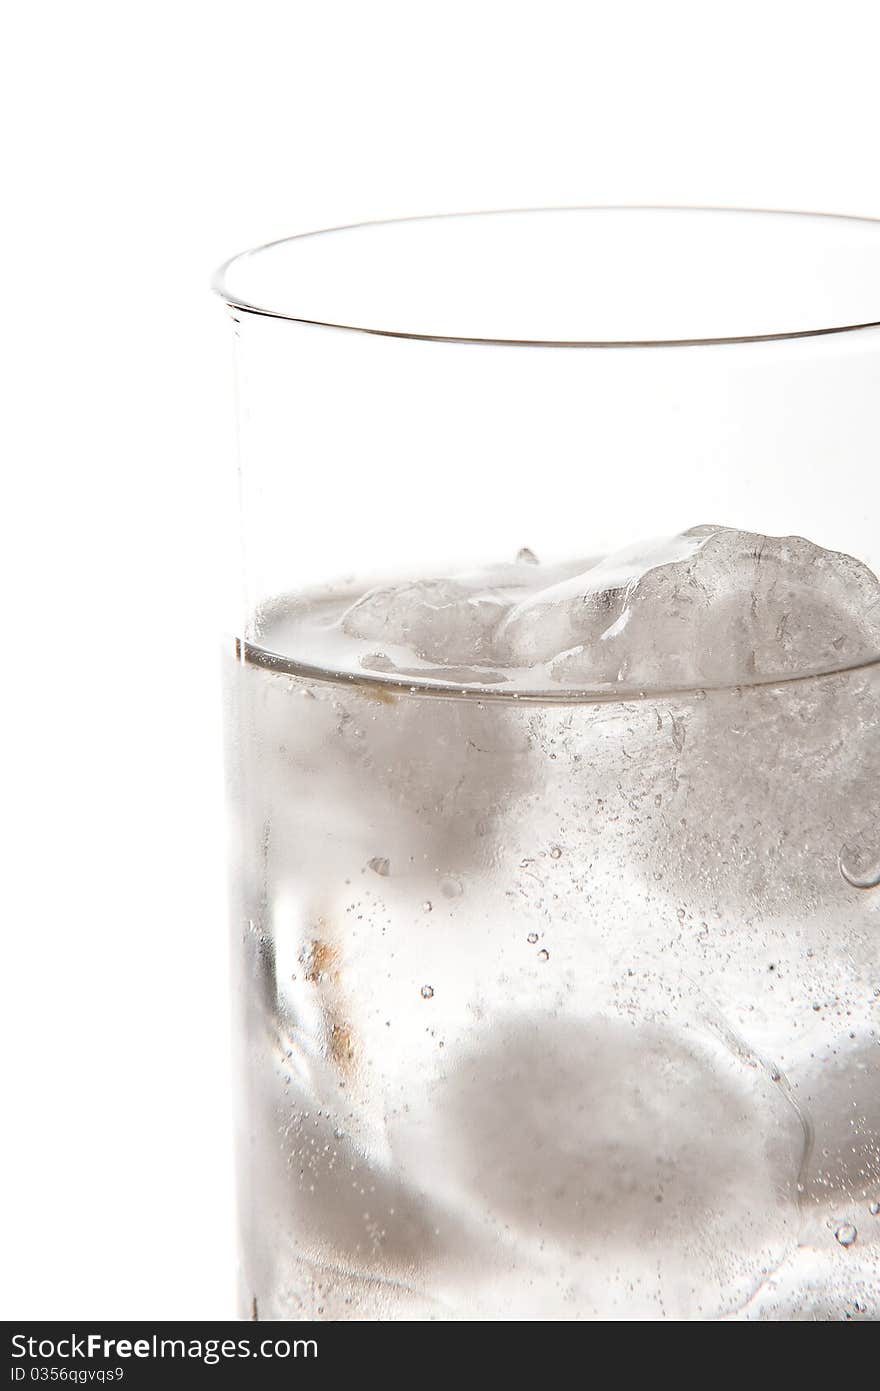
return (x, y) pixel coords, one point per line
(554, 763)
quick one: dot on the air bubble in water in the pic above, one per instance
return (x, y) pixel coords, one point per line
(379, 865)
(532, 938)
(427, 906)
(427, 992)
(555, 852)
(874, 1208)
(859, 863)
(846, 1234)
(543, 954)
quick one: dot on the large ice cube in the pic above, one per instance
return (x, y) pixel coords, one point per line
(714, 606)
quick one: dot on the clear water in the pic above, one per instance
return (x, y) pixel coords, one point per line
(555, 1007)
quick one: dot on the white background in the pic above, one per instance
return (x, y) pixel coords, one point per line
(142, 145)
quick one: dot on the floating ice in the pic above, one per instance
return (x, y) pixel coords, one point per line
(734, 608)
(446, 622)
(712, 606)
(442, 621)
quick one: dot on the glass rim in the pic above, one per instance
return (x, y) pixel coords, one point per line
(221, 287)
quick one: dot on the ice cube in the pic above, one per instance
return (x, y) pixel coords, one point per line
(447, 621)
(439, 621)
(713, 606)
(584, 611)
(624, 1150)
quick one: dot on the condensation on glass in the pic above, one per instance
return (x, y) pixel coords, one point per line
(554, 765)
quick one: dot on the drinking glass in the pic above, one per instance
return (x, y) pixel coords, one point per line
(555, 845)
